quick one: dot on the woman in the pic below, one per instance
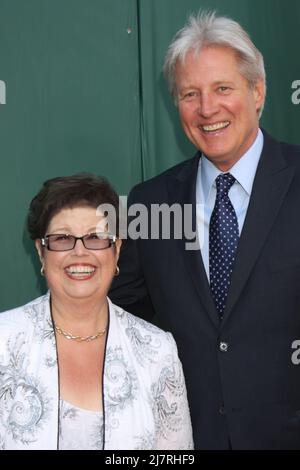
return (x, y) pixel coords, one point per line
(76, 371)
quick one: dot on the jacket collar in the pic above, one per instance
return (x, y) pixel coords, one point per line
(271, 183)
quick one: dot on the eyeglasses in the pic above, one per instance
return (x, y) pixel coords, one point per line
(66, 242)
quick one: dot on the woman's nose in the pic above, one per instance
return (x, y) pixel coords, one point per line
(79, 247)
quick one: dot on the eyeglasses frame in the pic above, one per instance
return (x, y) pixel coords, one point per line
(112, 240)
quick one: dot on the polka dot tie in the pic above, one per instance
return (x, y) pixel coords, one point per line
(223, 241)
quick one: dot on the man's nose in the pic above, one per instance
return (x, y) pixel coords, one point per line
(208, 105)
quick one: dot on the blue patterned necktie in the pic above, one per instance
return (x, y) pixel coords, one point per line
(223, 241)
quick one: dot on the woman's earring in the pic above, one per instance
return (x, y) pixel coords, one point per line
(117, 271)
(42, 270)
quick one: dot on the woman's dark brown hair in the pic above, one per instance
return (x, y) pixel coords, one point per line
(81, 189)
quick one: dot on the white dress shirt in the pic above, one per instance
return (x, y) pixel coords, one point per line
(244, 172)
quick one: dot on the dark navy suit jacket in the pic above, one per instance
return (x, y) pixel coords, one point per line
(245, 392)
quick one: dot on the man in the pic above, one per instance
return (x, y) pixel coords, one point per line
(234, 304)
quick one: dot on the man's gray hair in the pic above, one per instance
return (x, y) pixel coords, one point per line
(208, 29)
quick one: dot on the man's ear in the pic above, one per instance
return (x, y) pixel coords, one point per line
(259, 93)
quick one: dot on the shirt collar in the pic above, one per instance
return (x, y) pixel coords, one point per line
(243, 171)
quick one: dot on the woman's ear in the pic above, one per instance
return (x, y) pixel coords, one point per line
(118, 247)
(39, 249)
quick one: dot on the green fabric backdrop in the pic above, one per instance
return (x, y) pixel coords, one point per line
(274, 27)
(84, 92)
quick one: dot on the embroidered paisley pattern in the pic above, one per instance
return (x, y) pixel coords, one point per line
(80, 429)
(145, 401)
(120, 381)
(22, 400)
(167, 392)
(36, 313)
(120, 388)
(145, 441)
(144, 344)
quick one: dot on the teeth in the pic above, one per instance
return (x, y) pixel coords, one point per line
(215, 127)
(80, 270)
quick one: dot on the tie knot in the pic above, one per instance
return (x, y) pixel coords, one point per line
(224, 182)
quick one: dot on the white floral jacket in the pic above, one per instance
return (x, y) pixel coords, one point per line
(145, 403)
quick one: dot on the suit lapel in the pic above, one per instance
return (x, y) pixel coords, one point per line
(272, 181)
(182, 190)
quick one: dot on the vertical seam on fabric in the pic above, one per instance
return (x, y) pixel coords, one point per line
(141, 93)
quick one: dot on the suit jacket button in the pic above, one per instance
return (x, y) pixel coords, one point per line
(223, 347)
(222, 410)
